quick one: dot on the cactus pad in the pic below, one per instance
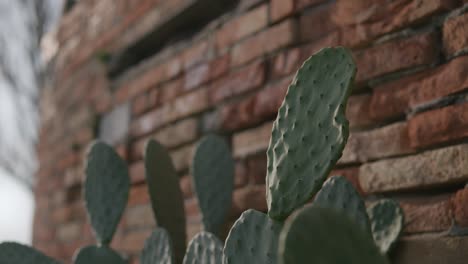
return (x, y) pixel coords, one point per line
(324, 235)
(253, 239)
(204, 248)
(339, 194)
(106, 190)
(213, 179)
(97, 255)
(310, 131)
(157, 248)
(14, 253)
(166, 196)
(387, 223)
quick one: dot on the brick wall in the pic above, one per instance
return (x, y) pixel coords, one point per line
(408, 113)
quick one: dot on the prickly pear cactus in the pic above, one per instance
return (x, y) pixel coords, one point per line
(253, 239)
(166, 196)
(310, 131)
(204, 248)
(387, 223)
(213, 179)
(106, 190)
(157, 248)
(324, 235)
(14, 253)
(339, 194)
(97, 255)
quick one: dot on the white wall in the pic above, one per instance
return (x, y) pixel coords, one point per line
(16, 210)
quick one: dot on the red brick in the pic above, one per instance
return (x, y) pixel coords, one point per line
(186, 186)
(351, 174)
(196, 76)
(137, 172)
(251, 196)
(170, 90)
(138, 195)
(197, 53)
(238, 82)
(439, 126)
(139, 216)
(242, 27)
(286, 62)
(191, 208)
(252, 141)
(365, 20)
(357, 111)
(219, 66)
(396, 55)
(273, 38)
(445, 80)
(316, 24)
(460, 206)
(182, 157)
(140, 104)
(240, 174)
(455, 32)
(383, 142)
(280, 9)
(256, 167)
(301, 4)
(424, 216)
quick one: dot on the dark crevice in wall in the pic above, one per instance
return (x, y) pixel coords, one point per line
(184, 23)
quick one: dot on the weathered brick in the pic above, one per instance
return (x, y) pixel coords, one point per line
(219, 66)
(455, 31)
(427, 216)
(388, 141)
(252, 141)
(138, 195)
(316, 24)
(186, 186)
(357, 111)
(242, 27)
(301, 4)
(431, 250)
(460, 206)
(183, 106)
(139, 104)
(132, 242)
(439, 126)
(196, 76)
(429, 169)
(250, 196)
(139, 216)
(271, 39)
(197, 53)
(182, 157)
(280, 9)
(351, 174)
(286, 63)
(396, 55)
(69, 231)
(445, 80)
(365, 20)
(256, 167)
(137, 172)
(238, 82)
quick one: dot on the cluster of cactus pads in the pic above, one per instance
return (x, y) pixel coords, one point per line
(312, 218)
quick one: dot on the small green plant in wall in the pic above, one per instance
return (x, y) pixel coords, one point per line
(312, 217)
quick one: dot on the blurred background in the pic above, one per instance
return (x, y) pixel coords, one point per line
(22, 27)
(124, 71)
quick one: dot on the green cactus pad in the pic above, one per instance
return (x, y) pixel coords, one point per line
(253, 239)
(387, 220)
(97, 255)
(324, 235)
(14, 253)
(339, 194)
(106, 190)
(310, 131)
(213, 179)
(157, 248)
(166, 196)
(204, 248)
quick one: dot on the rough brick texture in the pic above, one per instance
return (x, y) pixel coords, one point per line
(408, 114)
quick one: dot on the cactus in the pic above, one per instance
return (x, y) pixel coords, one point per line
(324, 235)
(166, 196)
(157, 248)
(14, 253)
(204, 248)
(310, 131)
(252, 239)
(106, 190)
(387, 223)
(213, 179)
(97, 255)
(339, 194)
